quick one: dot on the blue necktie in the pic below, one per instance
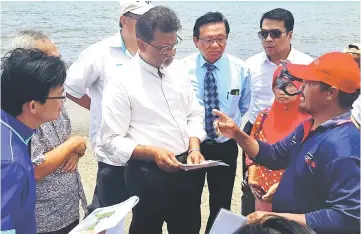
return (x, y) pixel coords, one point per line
(210, 100)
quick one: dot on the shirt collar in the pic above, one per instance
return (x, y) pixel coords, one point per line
(218, 63)
(289, 59)
(149, 68)
(337, 120)
(118, 42)
(21, 130)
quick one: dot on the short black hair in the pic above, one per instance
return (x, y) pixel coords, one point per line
(162, 18)
(275, 225)
(279, 14)
(26, 75)
(210, 17)
(346, 100)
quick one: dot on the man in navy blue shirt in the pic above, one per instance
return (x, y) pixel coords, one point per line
(321, 185)
(31, 94)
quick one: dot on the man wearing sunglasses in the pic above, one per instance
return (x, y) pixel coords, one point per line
(276, 30)
(220, 81)
(152, 123)
(321, 184)
(89, 73)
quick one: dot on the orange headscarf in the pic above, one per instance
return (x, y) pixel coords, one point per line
(280, 121)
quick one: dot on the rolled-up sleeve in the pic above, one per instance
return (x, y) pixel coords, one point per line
(245, 100)
(81, 74)
(342, 183)
(195, 115)
(116, 115)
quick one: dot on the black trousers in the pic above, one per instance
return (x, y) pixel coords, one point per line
(220, 179)
(247, 199)
(65, 230)
(163, 197)
(110, 187)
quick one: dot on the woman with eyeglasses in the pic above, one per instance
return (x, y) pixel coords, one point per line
(272, 125)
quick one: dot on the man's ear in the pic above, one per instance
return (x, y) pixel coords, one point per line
(123, 21)
(332, 93)
(289, 36)
(195, 40)
(141, 45)
(30, 107)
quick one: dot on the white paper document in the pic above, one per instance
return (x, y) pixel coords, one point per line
(227, 222)
(109, 218)
(206, 163)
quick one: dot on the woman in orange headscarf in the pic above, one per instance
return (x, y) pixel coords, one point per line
(271, 126)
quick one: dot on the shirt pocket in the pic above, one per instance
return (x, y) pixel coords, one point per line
(233, 106)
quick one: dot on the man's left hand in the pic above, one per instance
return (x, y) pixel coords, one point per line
(195, 157)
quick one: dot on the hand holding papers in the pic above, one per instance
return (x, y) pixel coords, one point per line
(227, 222)
(109, 219)
(204, 164)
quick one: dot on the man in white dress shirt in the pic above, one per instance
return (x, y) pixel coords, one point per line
(89, 72)
(152, 123)
(276, 35)
(354, 50)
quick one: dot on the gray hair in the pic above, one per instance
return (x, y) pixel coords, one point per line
(26, 39)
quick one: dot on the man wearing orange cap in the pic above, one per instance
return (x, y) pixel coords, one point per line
(321, 185)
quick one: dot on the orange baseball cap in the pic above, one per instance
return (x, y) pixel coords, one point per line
(335, 69)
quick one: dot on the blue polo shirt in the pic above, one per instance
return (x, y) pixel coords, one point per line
(322, 177)
(17, 178)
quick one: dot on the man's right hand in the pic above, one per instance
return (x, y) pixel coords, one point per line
(166, 160)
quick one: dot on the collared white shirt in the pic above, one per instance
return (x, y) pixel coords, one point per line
(93, 67)
(143, 108)
(356, 110)
(262, 70)
(230, 74)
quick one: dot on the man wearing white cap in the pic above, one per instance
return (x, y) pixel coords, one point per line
(354, 50)
(90, 72)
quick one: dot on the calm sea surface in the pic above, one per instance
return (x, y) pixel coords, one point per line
(319, 26)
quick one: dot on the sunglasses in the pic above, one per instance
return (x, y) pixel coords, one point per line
(274, 33)
(284, 81)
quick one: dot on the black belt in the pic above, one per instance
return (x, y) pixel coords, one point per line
(213, 142)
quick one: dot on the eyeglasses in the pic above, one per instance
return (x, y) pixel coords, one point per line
(63, 97)
(210, 41)
(168, 49)
(274, 33)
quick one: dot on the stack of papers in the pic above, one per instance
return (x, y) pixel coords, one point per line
(204, 164)
(109, 218)
(227, 222)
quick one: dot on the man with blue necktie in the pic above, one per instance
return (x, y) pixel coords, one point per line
(221, 81)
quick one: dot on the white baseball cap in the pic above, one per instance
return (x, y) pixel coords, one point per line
(135, 7)
(354, 48)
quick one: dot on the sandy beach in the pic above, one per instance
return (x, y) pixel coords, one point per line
(88, 166)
